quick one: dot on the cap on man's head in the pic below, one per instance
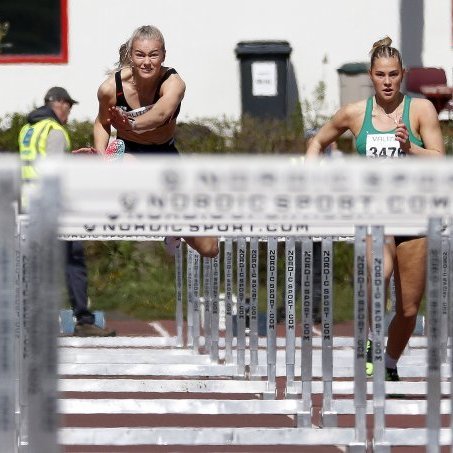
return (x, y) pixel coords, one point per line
(58, 94)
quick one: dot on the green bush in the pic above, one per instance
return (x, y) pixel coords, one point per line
(138, 277)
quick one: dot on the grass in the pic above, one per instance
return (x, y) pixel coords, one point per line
(138, 279)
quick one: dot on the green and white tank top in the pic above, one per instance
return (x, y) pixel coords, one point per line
(374, 144)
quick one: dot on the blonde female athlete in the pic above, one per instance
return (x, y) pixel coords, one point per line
(414, 124)
(142, 100)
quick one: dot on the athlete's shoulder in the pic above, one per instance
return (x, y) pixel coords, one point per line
(107, 89)
(352, 110)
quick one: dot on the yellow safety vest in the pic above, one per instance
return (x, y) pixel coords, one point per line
(32, 143)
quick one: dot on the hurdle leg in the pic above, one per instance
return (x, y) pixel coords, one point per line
(328, 415)
(190, 333)
(207, 296)
(253, 313)
(240, 317)
(215, 309)
(46, 283)
(271, 317)
(290, 310)
(179, 290)
(444, 299)
(228, 270)
(434, 334)
(360, 338)
(450, 322)
(304, 417)
(378, 321)
(8, 434)
(196, 301)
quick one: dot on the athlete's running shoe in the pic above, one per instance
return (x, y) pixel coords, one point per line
(115, 150)
(369, 358)
(391, 374)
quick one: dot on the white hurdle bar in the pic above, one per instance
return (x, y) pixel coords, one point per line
(364, 195)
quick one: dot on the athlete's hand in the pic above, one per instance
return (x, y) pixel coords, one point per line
(402, 135)
(119, 119)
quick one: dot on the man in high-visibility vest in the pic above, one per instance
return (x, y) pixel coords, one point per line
(45, 135)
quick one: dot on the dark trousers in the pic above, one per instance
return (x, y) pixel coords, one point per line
(77, 282)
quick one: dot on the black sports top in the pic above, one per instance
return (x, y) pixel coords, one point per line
(121, 99)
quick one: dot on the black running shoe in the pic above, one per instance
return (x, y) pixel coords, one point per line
(391, 375)
(369, 358)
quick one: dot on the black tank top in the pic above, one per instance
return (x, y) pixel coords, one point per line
(121, 99)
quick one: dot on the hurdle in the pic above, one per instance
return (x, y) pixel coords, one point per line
(354, 438)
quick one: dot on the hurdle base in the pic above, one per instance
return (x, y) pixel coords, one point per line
(357, 447)
(304, 419)
(329, 419)
(380, 447)
(271, 391)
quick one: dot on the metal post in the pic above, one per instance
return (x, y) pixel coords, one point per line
(190, 333)
(253, 311)
(179, 290)
(228, 269)
(304, 417)
(207, 295)
(271, 317)
(23, 354)
(215, 309)
(9, 194)
(290, 310)
(328, 415)
(444, 299)
(433, 285)
(241, 311)
(46, 283)
(360, 338)
(196, 301)
(378, 327)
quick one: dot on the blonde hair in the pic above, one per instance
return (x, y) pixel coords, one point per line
(143, 32)
(382, 48)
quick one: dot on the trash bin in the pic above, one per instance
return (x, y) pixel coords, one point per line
(355, 83)
(264, 78)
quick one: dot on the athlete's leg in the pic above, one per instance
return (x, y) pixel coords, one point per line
(206, 246)
(410, 275)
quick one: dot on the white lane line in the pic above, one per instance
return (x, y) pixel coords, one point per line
(157, 326)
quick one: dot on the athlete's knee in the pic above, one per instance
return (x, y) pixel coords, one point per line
(409, 312)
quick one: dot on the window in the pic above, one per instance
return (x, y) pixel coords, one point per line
(33, 31)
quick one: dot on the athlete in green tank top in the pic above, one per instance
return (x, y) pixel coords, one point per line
(373, 143)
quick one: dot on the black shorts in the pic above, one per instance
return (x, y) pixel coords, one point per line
(140, 149)
(400, 239)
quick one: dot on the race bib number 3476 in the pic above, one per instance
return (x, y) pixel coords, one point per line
(383, 146)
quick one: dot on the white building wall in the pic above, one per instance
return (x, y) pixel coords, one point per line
(201, 36)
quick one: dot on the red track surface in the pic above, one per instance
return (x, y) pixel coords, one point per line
(140, 328)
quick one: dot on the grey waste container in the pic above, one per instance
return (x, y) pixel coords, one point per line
(355, 83)
(264, 77)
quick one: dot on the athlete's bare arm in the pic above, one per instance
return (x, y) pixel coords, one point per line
(427, 126)
(102, 125)
(343, 120)
(171, 95)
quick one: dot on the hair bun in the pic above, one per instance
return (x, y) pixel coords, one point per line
(384, 42)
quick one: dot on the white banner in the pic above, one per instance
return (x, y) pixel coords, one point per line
(251, 194)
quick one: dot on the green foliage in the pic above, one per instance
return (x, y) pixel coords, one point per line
(10, 126)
